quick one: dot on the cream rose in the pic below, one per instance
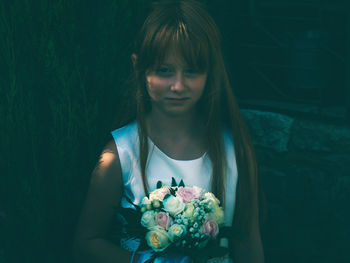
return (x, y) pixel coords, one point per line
(198, 191)
(157, 239)
(217, 214)
(211, 198)
(159, 193)
(148, 219)
(189, 210)
(173, 205)
(176, 231)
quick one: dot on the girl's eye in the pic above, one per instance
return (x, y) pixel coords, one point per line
(164, 71)
(191, 72)
(168, 72)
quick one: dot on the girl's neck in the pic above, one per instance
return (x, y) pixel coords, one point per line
(173, 127)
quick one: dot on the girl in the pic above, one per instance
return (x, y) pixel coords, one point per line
(188, 126)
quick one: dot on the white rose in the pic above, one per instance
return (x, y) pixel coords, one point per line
(174, 205)
(176, 231)
(148, 219)
(159, 193)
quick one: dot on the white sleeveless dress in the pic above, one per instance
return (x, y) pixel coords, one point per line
(161, 167)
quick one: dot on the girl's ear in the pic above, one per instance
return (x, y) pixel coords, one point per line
(134, 59)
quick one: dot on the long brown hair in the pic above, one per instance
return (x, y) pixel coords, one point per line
(187, 26)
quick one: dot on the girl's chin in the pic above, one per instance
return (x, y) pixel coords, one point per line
(174, 109)
(179, 112)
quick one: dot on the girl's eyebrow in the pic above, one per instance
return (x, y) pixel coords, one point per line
(168, 63)
(173, 65)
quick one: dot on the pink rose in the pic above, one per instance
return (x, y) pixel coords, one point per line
(187, 193)
(211, 228)
(163, 220)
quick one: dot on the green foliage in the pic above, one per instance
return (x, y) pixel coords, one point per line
(63, 68)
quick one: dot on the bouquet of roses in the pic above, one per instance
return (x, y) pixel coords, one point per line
(183, 219)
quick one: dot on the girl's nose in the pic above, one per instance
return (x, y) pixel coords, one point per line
(178, 84)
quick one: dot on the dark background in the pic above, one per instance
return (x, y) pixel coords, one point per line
(63, 72)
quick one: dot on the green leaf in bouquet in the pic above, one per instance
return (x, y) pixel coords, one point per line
(173, 182)
(182, 183)
(166, 196)
(159, 184)
(172, 191)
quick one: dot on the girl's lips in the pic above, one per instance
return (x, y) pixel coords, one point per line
(176, 100)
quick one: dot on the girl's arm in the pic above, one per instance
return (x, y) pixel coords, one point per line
(103, 197)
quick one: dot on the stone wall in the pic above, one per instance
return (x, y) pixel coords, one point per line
(305, 172)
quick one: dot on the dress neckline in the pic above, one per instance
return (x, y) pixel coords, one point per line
(175, 160)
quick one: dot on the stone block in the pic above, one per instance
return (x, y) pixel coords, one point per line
(319, 137)
(270, 130)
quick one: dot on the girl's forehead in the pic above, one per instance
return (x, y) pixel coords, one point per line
(174, 59)
(175, 56)
(180, 56)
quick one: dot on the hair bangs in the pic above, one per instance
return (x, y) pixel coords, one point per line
(194, 51)
(190, 49)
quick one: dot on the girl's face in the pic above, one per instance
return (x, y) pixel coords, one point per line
(175, 88)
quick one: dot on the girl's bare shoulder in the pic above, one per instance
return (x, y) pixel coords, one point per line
(110, 147)
(108, 166)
